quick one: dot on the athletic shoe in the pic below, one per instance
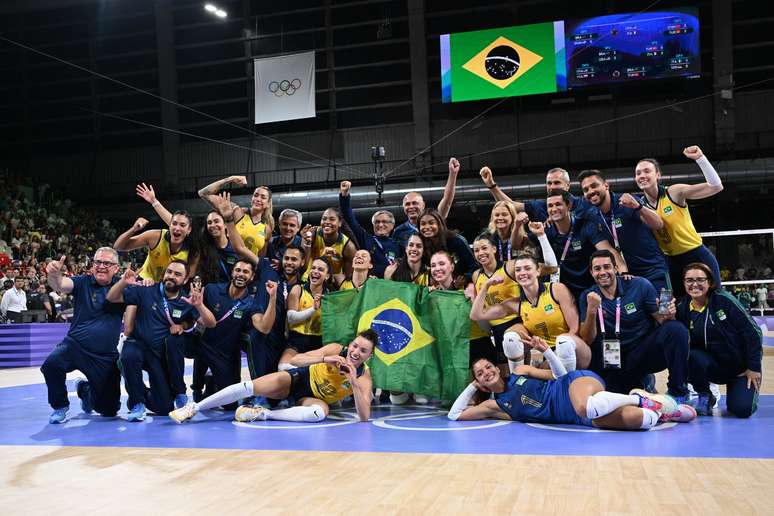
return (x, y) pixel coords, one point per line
(661, 403)
(181, 400)
(420, 399)
(58, 416)
(705, 403)
(137, 413)
(715, 391)
(83, 389)
(399, 398)
(247, 414)
(683, 414)
(183, 413)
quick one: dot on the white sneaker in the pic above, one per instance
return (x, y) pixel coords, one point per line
(399, 398)
(422, 400)
(715, 390)
(184, 413)
(248, 414)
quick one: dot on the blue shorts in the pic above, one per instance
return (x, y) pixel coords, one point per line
(561, 405)
(300, 385)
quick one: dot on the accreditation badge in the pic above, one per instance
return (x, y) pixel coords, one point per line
(611, 353)
(555, 277)
(177, 313)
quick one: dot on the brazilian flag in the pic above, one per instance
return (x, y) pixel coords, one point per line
(423, 336)
(503, 62)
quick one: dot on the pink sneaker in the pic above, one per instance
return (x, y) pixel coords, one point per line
(683, 414)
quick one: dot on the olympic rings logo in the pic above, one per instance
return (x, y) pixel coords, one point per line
(284, 87)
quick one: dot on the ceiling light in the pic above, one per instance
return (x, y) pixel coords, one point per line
(211, 8)
(221, 13)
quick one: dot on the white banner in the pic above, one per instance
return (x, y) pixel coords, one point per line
(284, 88)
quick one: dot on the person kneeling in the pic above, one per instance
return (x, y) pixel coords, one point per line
(533, 395)
(319, 378)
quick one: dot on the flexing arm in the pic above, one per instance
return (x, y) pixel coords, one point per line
(648, 216)
(128, 241)
(478, 312)
(588, 330)
(681, 192)
(619, 259)
(567, 304)
(448, 191)
(56, 279)
(226, 208)
(318, 355)
(345, 205)
(488, 178)
(212, 189)
(149, 196)
(264, 322)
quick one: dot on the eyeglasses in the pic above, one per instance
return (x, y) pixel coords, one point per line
(697, 281)
(377, 221)
(101, 263)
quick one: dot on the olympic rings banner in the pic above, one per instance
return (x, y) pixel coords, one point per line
(284, 88)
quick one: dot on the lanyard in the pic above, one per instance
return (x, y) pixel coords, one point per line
(505, 255)
(231, 311)
(166, 310)
(569, 240)
(611, 228)
(617, 319)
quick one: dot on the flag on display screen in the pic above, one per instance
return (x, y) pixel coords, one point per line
(284, 88)
(423, 336)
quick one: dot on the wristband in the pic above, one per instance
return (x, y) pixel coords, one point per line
(639, 206)
(494, 185)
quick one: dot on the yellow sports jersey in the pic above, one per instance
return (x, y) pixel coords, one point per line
(422, 279)
(348, 285)
(318, 247)
(328, 383)
(545, 319)
(313, 325)
(160, 256)
(476, 332)
(678, 235)
(253, 234)
(508, 289)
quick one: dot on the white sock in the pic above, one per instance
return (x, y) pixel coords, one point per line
(225, 396)
(565, 350)
(603, 403)
(649, 418)
(305, 414)
(513, 348)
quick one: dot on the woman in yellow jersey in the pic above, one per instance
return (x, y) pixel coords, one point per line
(485, 252)
(361, 267)
(315, 380)
(255, 224)
(410, 268)
(675, 234)
(442, 272)
(164, 245)
(330, 240)
(304, 312)
(547, 311)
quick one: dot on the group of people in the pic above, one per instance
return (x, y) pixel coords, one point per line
(609, 288)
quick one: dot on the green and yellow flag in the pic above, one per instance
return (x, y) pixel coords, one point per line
(502, 62)
(423, 336)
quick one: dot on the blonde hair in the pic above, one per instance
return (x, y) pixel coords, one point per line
(511, 209)
(267, 217)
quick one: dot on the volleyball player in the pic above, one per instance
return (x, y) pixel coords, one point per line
(318, 379)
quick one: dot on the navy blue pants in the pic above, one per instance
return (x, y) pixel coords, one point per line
(138, 356)
(225, 365)
(263, 353)
(176, 348)
(100, 370)
(677, 264)
(666, 347)
(704, 368)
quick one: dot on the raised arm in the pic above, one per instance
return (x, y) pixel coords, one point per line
(56, 279)
(479, 312)
(648, 216)
(149, 195)
(226, 208)
(588, 329)
(345, 205)
(681, 192)
(211, 190)
(116, 292)
(129, 240)
(448, 191)
(488, 178)
(264, 322)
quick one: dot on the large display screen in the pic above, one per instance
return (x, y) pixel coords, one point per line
(560, 55)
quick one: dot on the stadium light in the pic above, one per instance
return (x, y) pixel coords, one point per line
(217, 11)
(211, 8)
(220, 13)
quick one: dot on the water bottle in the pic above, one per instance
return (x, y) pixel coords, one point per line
(663, 301)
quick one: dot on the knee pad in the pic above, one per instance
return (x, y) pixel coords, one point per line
(513, 347)
(313, 413)
(565, 350)
(285, 366)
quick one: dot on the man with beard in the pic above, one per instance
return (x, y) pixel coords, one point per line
(627, 224)
(383, 249)
(628, 336)
(155, 344)
(90, 344)
(289, 226)
(573, 240)
(414, 204)
(234, 310)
